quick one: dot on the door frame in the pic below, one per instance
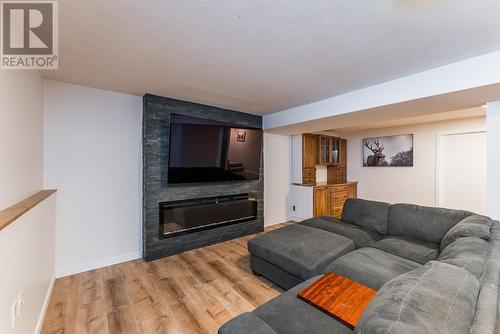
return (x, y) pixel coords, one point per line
(439, 135)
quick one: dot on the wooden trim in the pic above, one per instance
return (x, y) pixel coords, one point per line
(9, 215)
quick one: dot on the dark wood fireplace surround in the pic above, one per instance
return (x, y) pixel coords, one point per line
(157, 193)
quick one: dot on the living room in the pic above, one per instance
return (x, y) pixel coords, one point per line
(204, 167)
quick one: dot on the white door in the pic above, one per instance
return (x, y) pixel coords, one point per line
(461, 177)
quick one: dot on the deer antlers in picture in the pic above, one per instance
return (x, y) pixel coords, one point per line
(377, 157)
(378, 149)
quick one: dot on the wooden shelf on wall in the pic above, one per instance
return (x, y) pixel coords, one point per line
(9, 215)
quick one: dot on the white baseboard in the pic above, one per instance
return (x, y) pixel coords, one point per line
(80, 268)
(45, 305)
(297, 218)
(268, 223)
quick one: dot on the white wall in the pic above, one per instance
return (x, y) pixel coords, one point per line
(26, 245)
(493, 149)
(404, 184)
(277, 173)
(92, 155)
(21, 135)
(27, 262)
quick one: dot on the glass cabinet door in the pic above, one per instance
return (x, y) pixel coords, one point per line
(334, 151)
(329, 150)
(324, 147)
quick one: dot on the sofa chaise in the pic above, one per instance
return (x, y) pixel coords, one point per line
(435, 270)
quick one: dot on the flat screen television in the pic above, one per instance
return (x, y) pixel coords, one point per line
(203, 150)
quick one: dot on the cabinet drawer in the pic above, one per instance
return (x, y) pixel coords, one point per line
(337, 211)
(342, 187)
(308, 180)
(308, 176)
(339, 197)
(309, 172)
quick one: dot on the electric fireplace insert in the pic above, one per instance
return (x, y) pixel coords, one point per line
(188, 216)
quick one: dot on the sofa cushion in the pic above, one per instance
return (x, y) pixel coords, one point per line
(371, 215)
(436, 298)
(411, 249)
(371, 267)
(423, 223)
(360, 236)
(274, 273)
(472, 226)
(300, 250)
(246, 323)
(468, 253)
(288, 314)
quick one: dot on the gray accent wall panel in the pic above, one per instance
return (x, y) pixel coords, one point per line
(156, 127)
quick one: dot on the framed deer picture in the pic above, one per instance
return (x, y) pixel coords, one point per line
(389, 151)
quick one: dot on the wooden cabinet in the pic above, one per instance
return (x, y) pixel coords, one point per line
(310, 150)
(329, 200)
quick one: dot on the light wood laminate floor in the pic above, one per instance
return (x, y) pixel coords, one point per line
(193, 292)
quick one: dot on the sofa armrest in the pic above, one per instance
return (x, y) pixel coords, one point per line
(471, 226)
(244, 324)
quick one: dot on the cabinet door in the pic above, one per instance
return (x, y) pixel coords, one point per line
(323, 150)
(321, 201)
(309, 151)
(334, 150)
(328, 150)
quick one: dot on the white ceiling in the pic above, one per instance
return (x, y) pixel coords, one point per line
(420, 119)
(468, 113)
(264, 56)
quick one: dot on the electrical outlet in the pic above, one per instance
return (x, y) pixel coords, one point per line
(20, 303)
(13, 313)
(16, 309)
(293, 209)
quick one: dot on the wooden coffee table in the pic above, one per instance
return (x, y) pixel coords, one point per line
(339, 297)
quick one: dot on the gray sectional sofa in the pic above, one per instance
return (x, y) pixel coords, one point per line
(436, 271)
